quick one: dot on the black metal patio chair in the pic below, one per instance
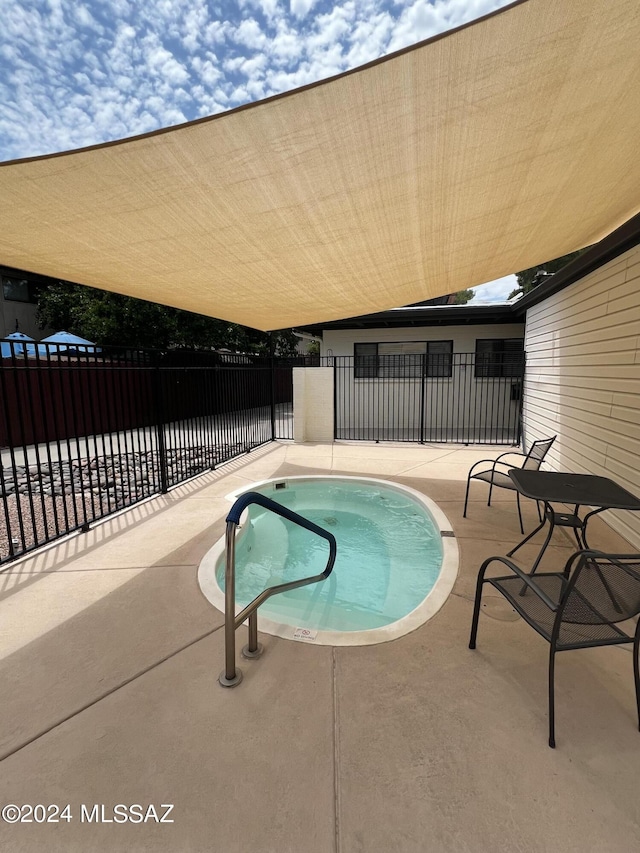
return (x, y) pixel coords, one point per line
(498, 473)
(577, 608)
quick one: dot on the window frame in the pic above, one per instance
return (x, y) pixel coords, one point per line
(9, 280)
(494, 364)
(368, 365)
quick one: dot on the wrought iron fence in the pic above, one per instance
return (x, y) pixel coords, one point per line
(443, 397)
(86, 432)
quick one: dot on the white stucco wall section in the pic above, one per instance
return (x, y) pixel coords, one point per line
(583, 379)
(313, 404)
(340, 342)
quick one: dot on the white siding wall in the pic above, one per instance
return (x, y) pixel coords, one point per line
(583, 379)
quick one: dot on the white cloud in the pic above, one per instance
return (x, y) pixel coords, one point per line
(194, 22)
(424, 19)
(268, 7)
(332, 27)
(286, 46)
(250, 34)
(209, 73)
(161, 61)
(84, 17)
(251, 67)
(369, 39)
(495, 291)
(301, 8)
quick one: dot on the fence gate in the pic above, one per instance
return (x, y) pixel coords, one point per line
(463, 398)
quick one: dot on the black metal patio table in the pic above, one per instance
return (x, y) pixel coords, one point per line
(580, 490)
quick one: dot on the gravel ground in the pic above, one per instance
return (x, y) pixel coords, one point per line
(54, 499)
(41, 518)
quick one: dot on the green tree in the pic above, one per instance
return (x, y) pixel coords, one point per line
(464, 296)
(530, 279)
(112, 319)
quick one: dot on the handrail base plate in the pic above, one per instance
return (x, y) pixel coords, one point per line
(250, 655)
(230, 682)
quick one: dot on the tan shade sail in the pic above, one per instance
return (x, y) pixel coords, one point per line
(474, 155)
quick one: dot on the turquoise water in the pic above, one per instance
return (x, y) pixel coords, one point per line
(388, 557)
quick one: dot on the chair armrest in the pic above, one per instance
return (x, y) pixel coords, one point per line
(524, 577)
(490, 462)
(506, 465)
(497, 461)
(511, 453)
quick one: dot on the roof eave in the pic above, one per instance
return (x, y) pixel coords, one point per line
(441, 315)
(615, 244)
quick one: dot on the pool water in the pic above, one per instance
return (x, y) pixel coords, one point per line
(389, 555)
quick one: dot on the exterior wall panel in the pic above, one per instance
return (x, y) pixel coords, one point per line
(583, 379)
(341, 341)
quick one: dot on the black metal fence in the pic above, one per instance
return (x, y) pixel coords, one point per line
(443, 397)
(86, 432)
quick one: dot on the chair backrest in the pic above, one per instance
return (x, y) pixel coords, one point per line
(604, 589)
(537, 452)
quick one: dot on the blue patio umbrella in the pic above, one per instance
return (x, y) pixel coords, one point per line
(66, 341)
(14, 344)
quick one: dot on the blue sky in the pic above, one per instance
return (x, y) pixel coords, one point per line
(78, 73)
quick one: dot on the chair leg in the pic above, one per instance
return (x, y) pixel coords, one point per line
(490, 490)
(552, 722)
(636, 669)
(519, 512)
(466, 498)
(476, 606)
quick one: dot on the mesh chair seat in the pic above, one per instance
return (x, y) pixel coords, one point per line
(504, 481)
(579, 627)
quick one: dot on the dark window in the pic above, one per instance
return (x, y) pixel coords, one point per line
(365, 363)
(18, 289)
(499, 357)
(403, 360)
(440, 358)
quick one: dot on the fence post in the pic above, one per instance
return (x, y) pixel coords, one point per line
(423, 380)
(6, 436)
(272, 370)
(335, 398)
(520, 414)
(159, 419)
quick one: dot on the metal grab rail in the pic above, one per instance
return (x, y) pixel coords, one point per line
(231, 675)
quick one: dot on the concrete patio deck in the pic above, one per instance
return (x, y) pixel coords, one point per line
(110, 656)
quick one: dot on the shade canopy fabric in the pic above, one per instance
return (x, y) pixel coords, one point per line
(479, 153)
